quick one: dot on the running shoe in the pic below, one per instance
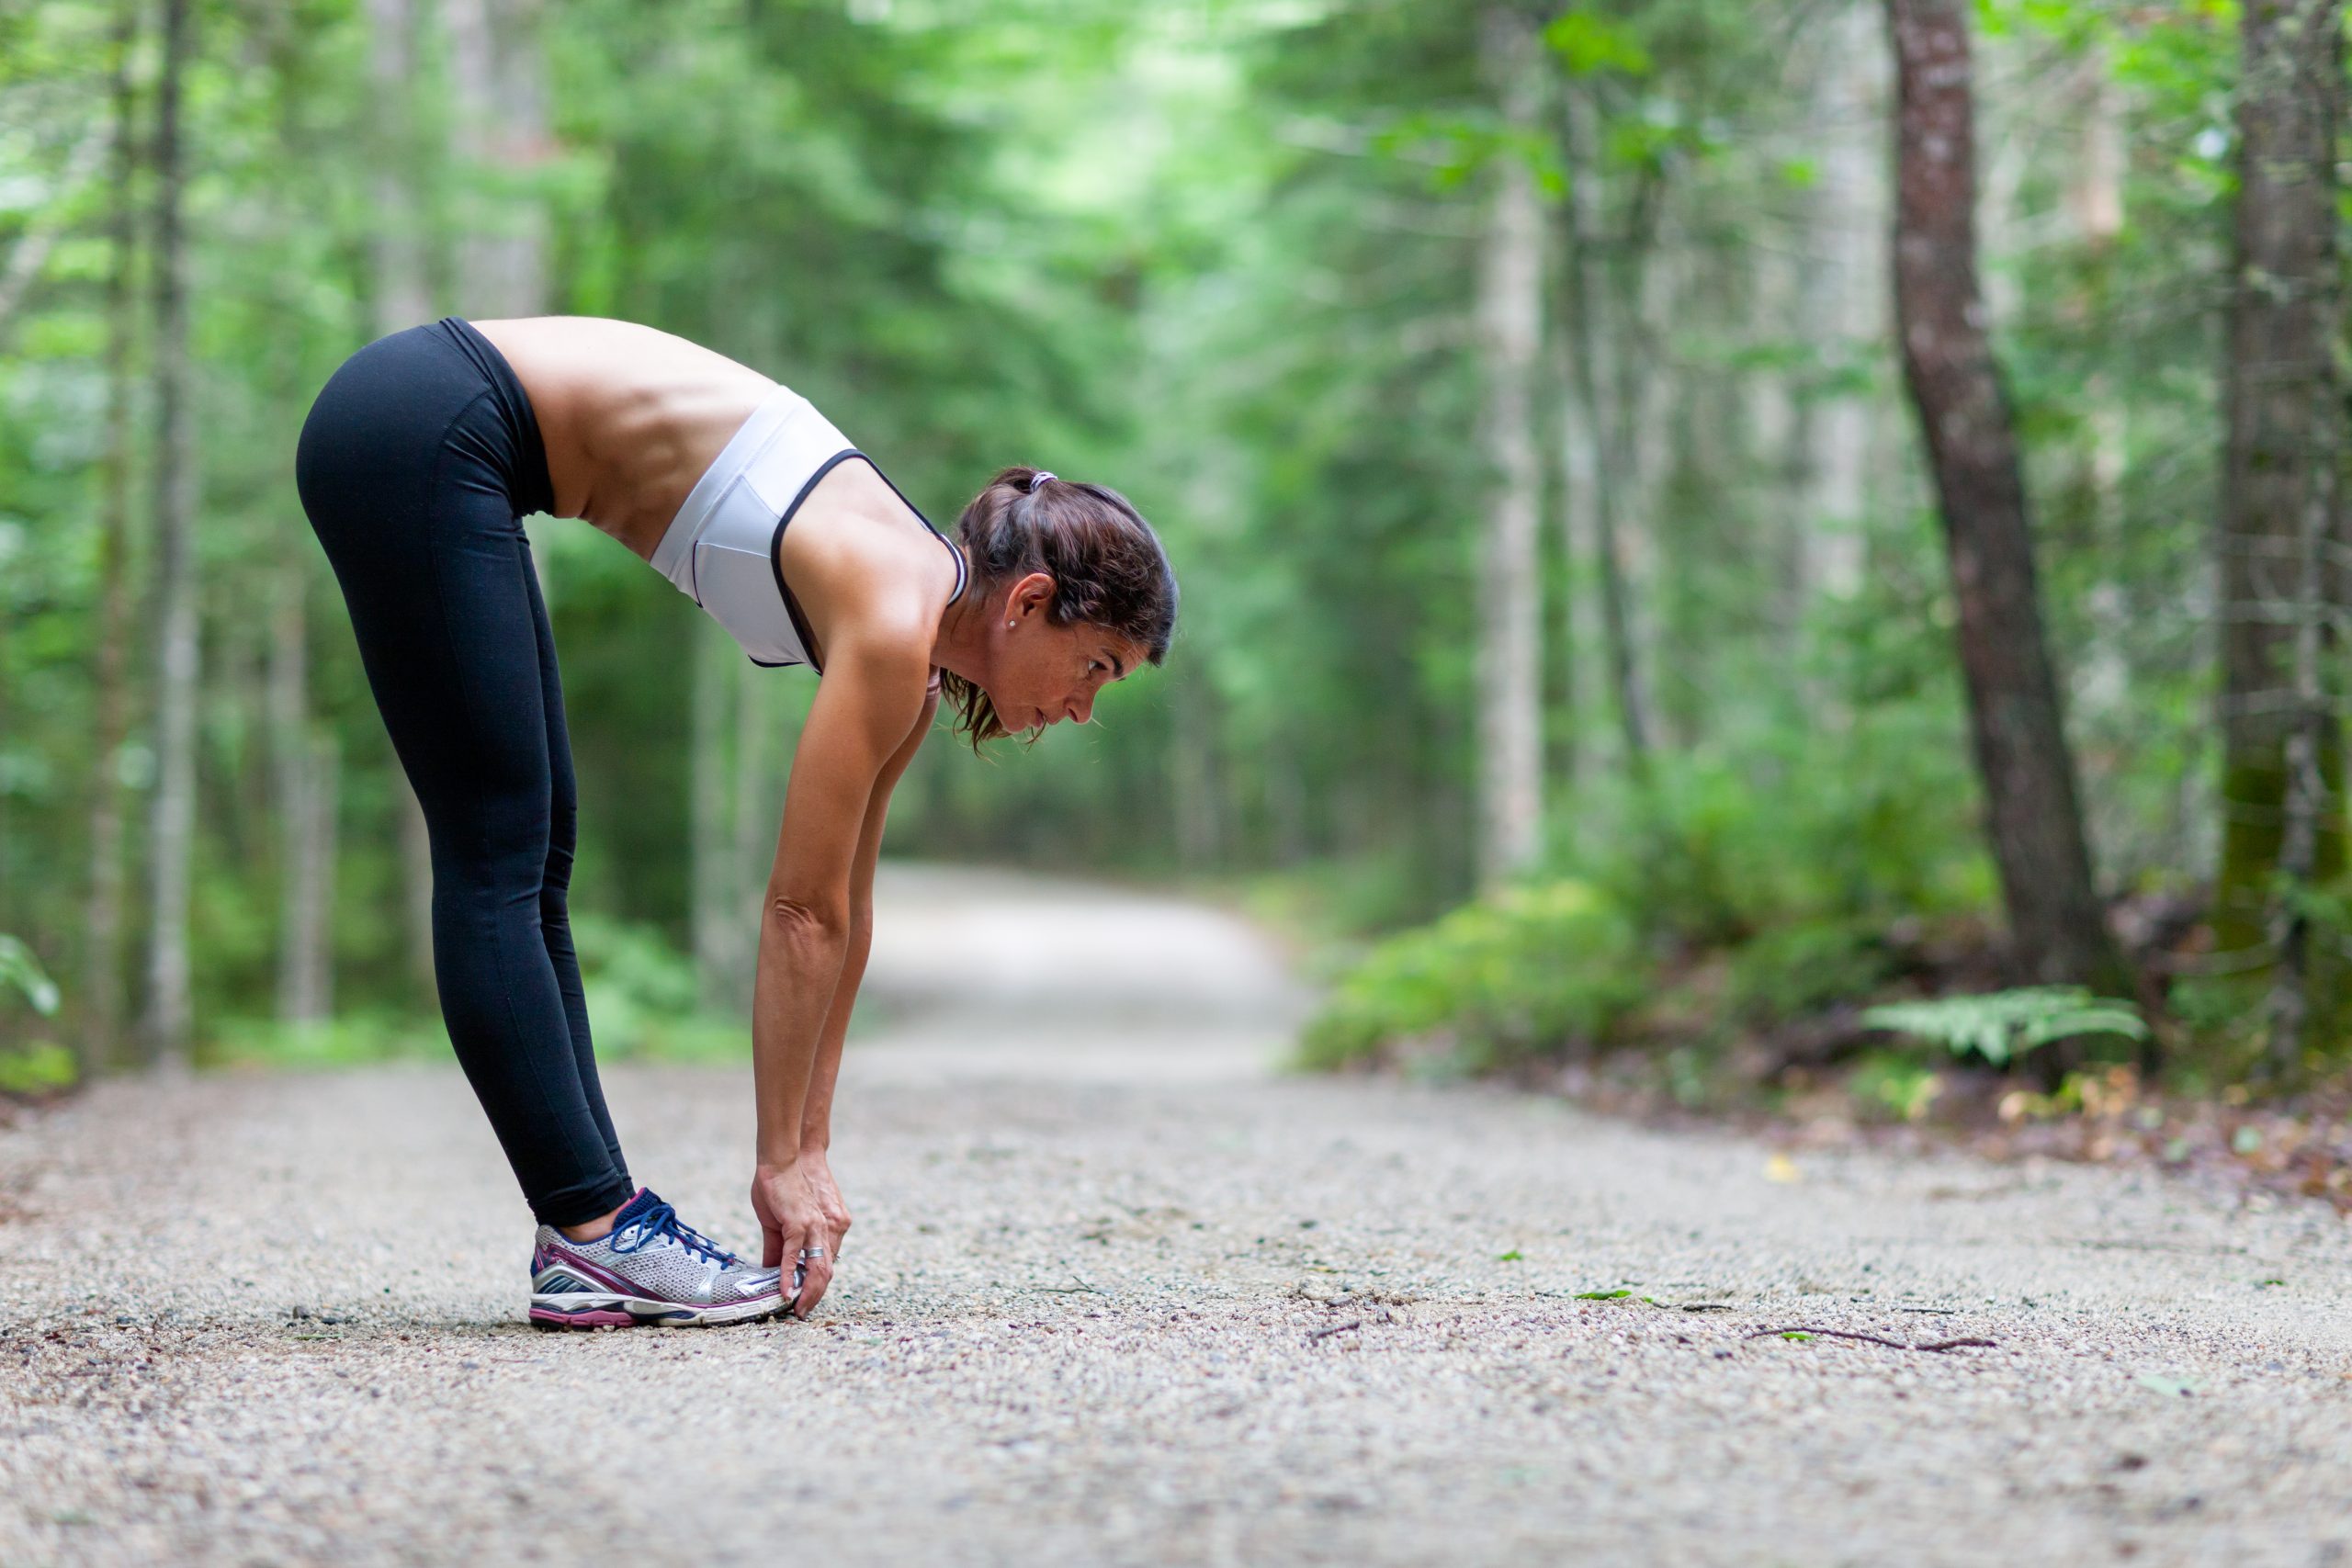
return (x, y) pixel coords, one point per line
(649, 1268)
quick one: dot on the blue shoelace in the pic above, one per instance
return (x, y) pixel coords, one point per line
(662, 1220)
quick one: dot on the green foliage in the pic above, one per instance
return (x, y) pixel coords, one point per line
(1790, 971)
(1893, 1087)
(642, 997)
(1225, 258)
(41, 1067)
(2003, 1025)
(1529, 970)
(355, 1037)
(1589, 43)
(19, 972)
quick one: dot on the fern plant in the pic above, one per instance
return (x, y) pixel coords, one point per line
(2003, 1025)
(20, 971)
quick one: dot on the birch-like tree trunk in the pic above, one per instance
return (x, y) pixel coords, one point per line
(1841, 296)
(1510, 320)
(498, 77)
(172, 844)
(2282, 749)
(111, 700)
(2056, 924)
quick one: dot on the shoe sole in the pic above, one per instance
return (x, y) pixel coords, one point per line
(642, 1312)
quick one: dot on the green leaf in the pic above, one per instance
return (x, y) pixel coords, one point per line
(1589, 45)
(1602, 1295)
(2002, 1025)
(1513, 1256)
(2177, 1387)
(21, 971)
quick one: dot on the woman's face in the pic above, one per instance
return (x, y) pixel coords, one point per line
(1042, 673)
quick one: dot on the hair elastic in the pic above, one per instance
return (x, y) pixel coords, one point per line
(1039, 478)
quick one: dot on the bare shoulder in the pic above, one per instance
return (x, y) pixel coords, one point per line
(862, 560)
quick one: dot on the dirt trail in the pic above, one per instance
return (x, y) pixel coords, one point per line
(1119, 1294)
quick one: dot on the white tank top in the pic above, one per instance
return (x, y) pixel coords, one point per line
(721, 549)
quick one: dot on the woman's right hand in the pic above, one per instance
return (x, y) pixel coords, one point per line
(792, 1217)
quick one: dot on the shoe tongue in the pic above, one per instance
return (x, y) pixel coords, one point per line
(644, 1202)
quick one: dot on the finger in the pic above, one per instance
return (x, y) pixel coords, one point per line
(771, 1245)
(813, 1285)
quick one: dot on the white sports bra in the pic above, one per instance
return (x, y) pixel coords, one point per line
(721, 549)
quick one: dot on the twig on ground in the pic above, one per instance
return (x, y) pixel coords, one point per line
(1939, 1347)
(1335, 1328)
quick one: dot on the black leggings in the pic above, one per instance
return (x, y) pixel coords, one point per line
(417, 464)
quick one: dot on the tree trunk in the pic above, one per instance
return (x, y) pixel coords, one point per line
(1191, 771)
(2056, 925)
(102, 971)
(1842, 301)
(404, 298)
(718, 923)
(2283, 765)
(304, 794)
(1579, 455)
(397, 245)
(1510, 319)
(765, 734)
(498, 78)
(172, 848)
(1596, 364)
(498, 74)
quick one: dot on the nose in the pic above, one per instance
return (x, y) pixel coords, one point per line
(1082, 707)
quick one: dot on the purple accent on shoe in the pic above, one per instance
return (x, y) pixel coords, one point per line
(602, 1276)
(598, 1319)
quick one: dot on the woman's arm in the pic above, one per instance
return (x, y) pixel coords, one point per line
(866, 707)
(816, 1111)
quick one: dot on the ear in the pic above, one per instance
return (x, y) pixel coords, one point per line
(1030, 595)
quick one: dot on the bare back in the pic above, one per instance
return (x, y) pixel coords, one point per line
(631, 416)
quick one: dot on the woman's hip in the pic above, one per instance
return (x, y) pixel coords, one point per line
(426, 429)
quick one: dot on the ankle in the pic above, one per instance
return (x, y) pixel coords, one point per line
(590, 1230)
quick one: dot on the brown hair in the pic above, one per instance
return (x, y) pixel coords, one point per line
(1106, 563)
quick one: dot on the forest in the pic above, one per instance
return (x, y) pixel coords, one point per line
(1697, 520)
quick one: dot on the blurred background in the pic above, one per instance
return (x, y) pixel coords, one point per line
(1570, 662)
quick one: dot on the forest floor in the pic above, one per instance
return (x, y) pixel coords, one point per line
(1119, 1294)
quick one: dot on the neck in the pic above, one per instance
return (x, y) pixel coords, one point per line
(961, 641)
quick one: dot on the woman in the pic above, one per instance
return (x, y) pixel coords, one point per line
(418, 460)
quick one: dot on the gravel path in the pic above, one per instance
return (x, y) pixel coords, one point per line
(1119, 1295)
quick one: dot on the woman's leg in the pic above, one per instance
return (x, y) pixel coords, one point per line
(405, 472)
(555, 881)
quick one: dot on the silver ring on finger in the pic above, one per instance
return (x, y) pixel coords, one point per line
(808, 1252)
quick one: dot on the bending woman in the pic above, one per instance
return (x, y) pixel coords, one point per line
(419, 460)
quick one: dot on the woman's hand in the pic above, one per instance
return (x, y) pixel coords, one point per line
(793, 1218)
(818, 1174)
